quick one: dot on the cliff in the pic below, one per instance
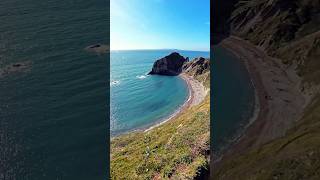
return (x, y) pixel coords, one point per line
(177, 149)
(285, 29)
(199, 68)
(289, 32)
(170, 65)
(174, 64)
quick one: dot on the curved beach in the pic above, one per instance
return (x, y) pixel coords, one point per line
(185, 133)
(196, 95)
(278, 105)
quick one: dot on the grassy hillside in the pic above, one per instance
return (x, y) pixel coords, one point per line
(290, 31)
(294, 156)
(272, 24)
(287, 29)
(304, 53)
(176, 149)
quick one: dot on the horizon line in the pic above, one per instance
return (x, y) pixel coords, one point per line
(158, 49)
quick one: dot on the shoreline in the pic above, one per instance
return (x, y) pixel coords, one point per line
(194, 98)
(272, 114)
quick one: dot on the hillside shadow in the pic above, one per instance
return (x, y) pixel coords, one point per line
(220, 12)
(220, 28)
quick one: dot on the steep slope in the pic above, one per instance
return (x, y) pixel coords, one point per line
(294, 156)
(286, 29)
(289, 32)
(199, 68)
(177, 149)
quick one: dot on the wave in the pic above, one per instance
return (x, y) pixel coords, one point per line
(114, 83)
(141, 77)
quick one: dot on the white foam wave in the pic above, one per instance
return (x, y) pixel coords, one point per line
(114, 83)
(141, 77)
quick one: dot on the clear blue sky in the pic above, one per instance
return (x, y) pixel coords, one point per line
(160, 24)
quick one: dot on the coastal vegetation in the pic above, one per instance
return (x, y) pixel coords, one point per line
(289, 32)
(294, 156)
(178, 148)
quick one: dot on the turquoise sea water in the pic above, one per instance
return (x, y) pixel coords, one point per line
(139, 100)
(53, 116)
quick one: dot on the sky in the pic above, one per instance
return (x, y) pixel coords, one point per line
(160, 24)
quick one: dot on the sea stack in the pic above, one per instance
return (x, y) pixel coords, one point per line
(170, 65)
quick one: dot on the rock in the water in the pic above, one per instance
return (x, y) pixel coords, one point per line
(15, 68)
(98, 48)
(170, 65)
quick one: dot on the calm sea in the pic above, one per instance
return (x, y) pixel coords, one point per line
(233, 98)
(139, 100)
(53, 115)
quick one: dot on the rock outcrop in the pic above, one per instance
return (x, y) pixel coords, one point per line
(174, 64)
(98, 48)
(197, 66)
(15, 68)
(170, 65)
(285, 29)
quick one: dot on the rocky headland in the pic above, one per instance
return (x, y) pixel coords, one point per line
(174, 64)
(195, 72)
(177, 148)
(170, 65)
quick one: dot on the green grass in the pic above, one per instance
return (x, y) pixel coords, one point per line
(282, 35)
(176, 149)
(305, 53)
(205, 78)
(295, 156)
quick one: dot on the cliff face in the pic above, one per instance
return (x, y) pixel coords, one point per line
(174, 64)
(177, 149)
(170, 65)
(286, 29)
(273, 23)
(199, 68)
(290, 31)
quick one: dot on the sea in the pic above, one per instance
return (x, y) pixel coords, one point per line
(233, 99)
(53, 113)
(139, 100)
